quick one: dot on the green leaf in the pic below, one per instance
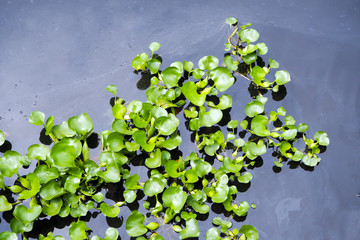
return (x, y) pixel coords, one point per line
(210, 118)
(154, 160)
(112, 89)
(134, 224)
(132, 182)
(115, 141)
(45, 173)
(140, 138)
(2, 137)
(27, 215)
(51, 190)
(120, 126)
(222, 78)
(273, 64)
(246, 177)
(230, 63)
(262, 48)
(191, 230)
(231, 21)
(173, 142)
(303, 127)
(167, 124)
(249, 35)
(254, 108)
(250, 58)
(77, 230)
(154, 46)
(174, 198)
(310, 161)
(258, 74)
(289, 120)
(290, 132)
(259, 126)
(109, 211)
(250, 232)
(72, 184)
(18, 227)
(139, 62)
(4, 204)
(155, 185)
(34, 187)
(241, 209)
(10, 163)
(208, 63)
(171, 76)
(63, 154)
(212, 234)
(51, 208)
(8, 235)
(63, 130)
(225, 102)
(37, 118)
(232, 165)
(232, 124)
(322, 138)
(188, 66)
(189, 89)
(82, 124)
(49, 125)
(38, 152)
(154, 65)
(282, 77)
(112, 173)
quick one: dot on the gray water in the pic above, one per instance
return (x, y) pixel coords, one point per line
(58, 57)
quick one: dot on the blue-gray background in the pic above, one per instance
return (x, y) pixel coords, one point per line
(58, 57)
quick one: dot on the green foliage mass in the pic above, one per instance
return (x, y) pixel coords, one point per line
(65, 182)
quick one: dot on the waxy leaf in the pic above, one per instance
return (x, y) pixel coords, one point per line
(26, 215)
(250, 58)
(259, 126)
(140, 138)
(112, 89)
(213, 234)
(231, 21)
(139, 62)
(120, 126)
(72, 184)
(77, 230)
(115, 141)
(273, 63)
(154, 46)
(155, 185)
(63, 154)
(232, 165)
(37, 118)
(303, 127)
(51, 190)
(113, 157)
(171, 76)
(134, 224)
(63, 130)
(191, 230)
(154, 160)
(34, 187)
(254, 108)
(45, 173)
(82, 124)
(322, 138)
(51, 208)
(112, 173)
(208, 63)
(109, 211)
(245, 177)
(4, 204)
(173, 142)
(38, 152)
(229, 62)
(310, 161)
(8, 235)
(189, 89)
(174, 198)
(249, 35)
(211, 117)
(154, 65)
(2, 137)
(258, 74)
(250, 232)
(18, 227)
(118, 110)
(222, 78)
(167, 125)
(290, 132)
(282, 77)
(10, 163)
(225, 102)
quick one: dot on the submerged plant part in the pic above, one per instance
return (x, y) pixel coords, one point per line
(65, 182)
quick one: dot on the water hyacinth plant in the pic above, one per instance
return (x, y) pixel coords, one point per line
(65, 182)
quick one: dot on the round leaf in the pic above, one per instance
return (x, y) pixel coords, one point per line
(82, 124)
(171, 76)
(10, 163)
(189, 89)
(249, 35)
(322, 138)
(282, 77)
(38, 151)
(250, 232)
(254, 108)
(259, 125)
(77, 230)
(222, 78)
(27, 215)
(167, 124)
(2, 137)
(154, 46)
(174, 198)
(109, 211)
(211, 117)
(63, 154)
(134, 224)
(4, 204)
(208, 63)
(37, 118)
